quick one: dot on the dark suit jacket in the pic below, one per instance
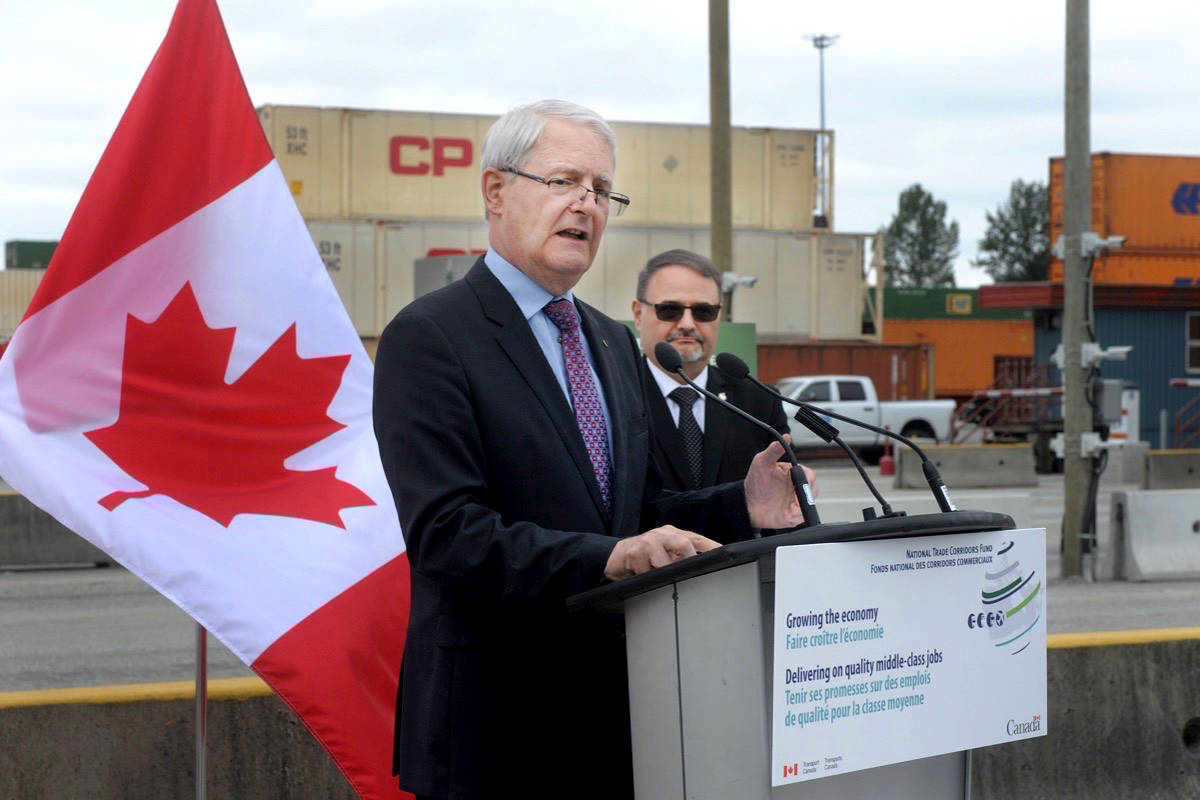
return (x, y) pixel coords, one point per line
(501, 692)
(730, 442)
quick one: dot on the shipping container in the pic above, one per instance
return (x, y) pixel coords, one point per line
(968, 340)
(900, 371)
(1125, 267)
(28, 253)
(371, 263)
(966, 349)
(16, 290)
(941, 303)
(1151, 200)
(355, 164)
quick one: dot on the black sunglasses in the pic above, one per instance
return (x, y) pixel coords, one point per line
(672, 312)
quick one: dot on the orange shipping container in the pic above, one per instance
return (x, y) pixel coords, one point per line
(965, 350)
(1144, 268)
(1152, 200)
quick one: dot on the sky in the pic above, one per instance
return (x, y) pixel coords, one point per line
(960, 97)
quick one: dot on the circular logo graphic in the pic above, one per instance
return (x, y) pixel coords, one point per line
(1015, 597)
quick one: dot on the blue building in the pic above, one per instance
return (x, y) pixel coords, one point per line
(1161, 323)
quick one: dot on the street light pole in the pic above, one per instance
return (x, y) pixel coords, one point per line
(822, 41)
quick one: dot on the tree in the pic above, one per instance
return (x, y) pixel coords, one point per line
(1016, 245)
(920, 247)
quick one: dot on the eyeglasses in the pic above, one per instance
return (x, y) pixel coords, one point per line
(672, 312)
(560, 186)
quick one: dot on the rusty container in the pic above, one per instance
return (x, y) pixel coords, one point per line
(899, 371)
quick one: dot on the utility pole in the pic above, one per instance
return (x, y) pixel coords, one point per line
(822, 41)
(1077, 189)
(721, 203)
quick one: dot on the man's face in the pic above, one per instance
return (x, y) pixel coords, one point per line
(551, 238)
(695, 341)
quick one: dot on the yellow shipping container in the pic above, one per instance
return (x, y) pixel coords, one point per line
(807, 286)
(16, 290)
(354, 164)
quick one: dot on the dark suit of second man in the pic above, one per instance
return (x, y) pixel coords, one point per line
(678, 299)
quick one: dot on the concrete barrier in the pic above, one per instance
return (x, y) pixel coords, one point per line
(1156, 534)
(1172, 469)
(30, 536)
(1015, 504)
(1123, 721)
(101, 747)
(1126, 464)
(969, 466)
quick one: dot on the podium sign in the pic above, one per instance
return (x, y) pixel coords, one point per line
(898, 649)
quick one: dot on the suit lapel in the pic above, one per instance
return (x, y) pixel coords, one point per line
(516, 339)
(716, 428)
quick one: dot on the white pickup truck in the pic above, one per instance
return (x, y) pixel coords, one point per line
(854, 396)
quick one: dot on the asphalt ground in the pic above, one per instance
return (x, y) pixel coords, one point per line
(65, 628)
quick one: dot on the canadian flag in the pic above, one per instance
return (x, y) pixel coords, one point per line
(187, 392)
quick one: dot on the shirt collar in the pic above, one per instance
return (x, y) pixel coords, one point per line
(529, 296)
(667, 383)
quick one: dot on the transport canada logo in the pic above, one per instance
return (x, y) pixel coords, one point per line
(1010, 602)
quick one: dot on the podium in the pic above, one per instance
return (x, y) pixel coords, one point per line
(700, 653)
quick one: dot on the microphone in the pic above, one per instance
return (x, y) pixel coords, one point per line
(736, 368)
(668, 358)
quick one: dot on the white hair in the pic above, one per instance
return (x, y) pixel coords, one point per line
(509, 140)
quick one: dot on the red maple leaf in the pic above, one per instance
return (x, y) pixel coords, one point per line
(217, 447)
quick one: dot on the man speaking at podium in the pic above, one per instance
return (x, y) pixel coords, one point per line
(513, 430)
(696, 442)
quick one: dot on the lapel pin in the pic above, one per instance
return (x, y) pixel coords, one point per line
(721, 395)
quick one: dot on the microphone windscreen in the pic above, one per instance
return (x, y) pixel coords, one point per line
(732, 366)
(667, 357)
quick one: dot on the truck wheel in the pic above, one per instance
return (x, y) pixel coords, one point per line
(919, 430)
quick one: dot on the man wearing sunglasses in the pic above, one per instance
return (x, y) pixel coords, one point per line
(696, 442)
(513, 431)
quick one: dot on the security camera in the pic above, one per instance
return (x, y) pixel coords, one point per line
(732, 280)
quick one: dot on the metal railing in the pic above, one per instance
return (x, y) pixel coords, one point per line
(1020, 399)
(1186, 432)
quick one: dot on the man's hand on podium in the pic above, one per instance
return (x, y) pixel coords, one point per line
(658, 547)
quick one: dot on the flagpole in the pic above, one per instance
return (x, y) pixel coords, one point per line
(201, 707)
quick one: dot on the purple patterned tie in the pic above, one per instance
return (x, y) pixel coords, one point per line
(589, 414)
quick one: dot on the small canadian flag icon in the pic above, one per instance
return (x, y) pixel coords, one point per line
(791, 769)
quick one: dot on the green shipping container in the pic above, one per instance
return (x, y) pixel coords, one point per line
(28, 253)
(909, 303)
